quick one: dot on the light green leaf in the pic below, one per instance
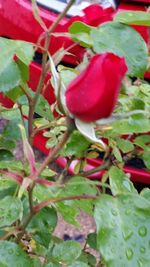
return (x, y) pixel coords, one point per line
(119, 182)
(117, 154)
(124, 145)
(67, 252)
(77, 145)
(10, 210)
(142, 141)
(146, 157)
(114, 37)
(10, 69)
(12, 255)
(133, 18)
(78, 264)
(81, 33)
(132, 125)
(123, 230)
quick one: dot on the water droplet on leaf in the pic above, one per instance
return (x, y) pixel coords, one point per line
(114, 212)
(142, 249)
(129, 253)
(10, 251)
(142, 231)
(128, 212)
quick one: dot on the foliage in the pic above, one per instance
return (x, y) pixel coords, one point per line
(32, 194)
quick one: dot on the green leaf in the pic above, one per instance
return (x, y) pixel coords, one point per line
(123, 230)
(66, 252)
(67, 74)
(10, 210)
(5, 155)
(69, 212)
(7, 187)
(91, 240)
(8, 66)
(146, 157)
(12, 255)
(142, 141)
(24, 70)
(81, 33)
(133, 18)
(120, 182)
(51, 264)
(78, 264)
(23, 50)
(12, 70)
(43, 109)
(79, 186)
(117, 154)
(45, 220)
(132, 125)
(146, 193)
(77, 145)
(6, 144)
(116, 38)
(14, 94)
(124, 145)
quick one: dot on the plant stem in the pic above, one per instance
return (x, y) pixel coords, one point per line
(43, 204)
(61, 16)
(33, 103)
(94, 170)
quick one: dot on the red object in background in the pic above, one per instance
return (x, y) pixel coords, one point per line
(17, 22)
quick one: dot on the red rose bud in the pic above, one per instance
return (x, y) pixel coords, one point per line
(93, 94)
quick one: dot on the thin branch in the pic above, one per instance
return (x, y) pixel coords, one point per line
(61, 16)
(95, 170)
(33, 103)
(44, 204)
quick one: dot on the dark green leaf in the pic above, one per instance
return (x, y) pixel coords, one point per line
(12, 255)
(123, 230)
(92, 241)
(116, 38)
(45, 221)
(5, 155)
